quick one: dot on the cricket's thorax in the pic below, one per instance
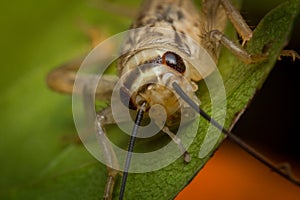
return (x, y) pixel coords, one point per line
(178, 15)
(177, 24)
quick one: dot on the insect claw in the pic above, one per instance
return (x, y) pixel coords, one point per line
(289, 53)
(186, 156)
(244, 42)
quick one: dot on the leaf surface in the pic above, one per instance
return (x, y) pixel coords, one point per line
(39, 160)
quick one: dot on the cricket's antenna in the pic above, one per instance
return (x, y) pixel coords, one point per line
(283, 170)
(137, 123)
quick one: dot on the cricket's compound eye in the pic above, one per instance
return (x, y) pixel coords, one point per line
(174, 61)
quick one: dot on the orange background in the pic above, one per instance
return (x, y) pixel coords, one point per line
(234, 174)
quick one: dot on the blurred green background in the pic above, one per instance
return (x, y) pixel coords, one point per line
(35, 37)
(36, 123)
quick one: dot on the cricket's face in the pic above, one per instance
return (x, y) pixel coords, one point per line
(151, 83)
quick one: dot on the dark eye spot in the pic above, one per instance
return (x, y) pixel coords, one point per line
(174, 61)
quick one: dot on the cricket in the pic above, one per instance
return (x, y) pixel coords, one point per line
(154, 69)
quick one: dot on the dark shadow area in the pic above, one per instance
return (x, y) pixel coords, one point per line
(270, 124)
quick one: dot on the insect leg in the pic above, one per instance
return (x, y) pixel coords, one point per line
(237, 20)
(62, 80)
(235, 49)
(105, 117)
(157, 115)
(289, 53)
(186, 155)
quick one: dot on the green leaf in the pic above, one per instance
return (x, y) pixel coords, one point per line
(39, 158)
(241, 83)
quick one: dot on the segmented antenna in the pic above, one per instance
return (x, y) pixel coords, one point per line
(137, 123)
(283, 170)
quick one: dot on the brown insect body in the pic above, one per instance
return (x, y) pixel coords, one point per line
(171, 42)
(179, 28)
